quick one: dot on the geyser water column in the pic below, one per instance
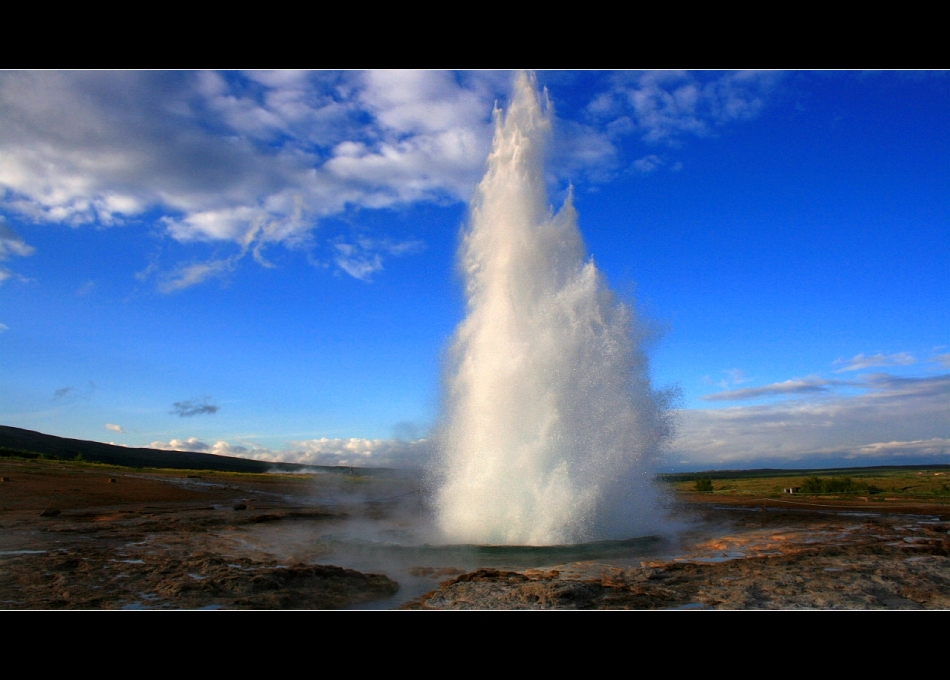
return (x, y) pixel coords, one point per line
(551, 426)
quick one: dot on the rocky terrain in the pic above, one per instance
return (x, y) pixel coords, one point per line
(769, 559)
(85, 536)
(76, 536)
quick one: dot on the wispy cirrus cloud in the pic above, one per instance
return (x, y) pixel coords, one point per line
(797, 386)
(12, 244)
(734, 376)
(363, 257)
(648, 164)
(942, 359)
(665, 106)
(859, 362)
(896, 418)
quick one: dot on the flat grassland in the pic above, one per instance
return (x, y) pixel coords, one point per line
(884, 489)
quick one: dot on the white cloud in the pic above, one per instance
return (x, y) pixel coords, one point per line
(352, 452)
(254, 159)
(664, 106)
(355, 452)
(4, 327)
(922, 447)
(187, 275)
(257, 159)
(860, 362)
(364, 256)
(260, 158)
(114, 427)
(195, 445)
(901, 417)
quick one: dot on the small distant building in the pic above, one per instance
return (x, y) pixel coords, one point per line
(792, 489)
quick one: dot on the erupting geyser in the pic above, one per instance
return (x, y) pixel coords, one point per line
(551, 427)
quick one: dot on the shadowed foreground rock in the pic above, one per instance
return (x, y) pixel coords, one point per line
(57, 581)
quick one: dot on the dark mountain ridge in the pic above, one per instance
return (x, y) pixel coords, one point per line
(16, 441)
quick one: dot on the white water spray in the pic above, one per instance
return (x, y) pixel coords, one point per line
(551, 428)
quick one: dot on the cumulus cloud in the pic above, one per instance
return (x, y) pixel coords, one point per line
(665, 106)
(194, 407)
(859, 362)
(895, 416)
(195, 445)
(256, 159)
(251, 158)
(352, 452)
(114, 427)
(355, 452)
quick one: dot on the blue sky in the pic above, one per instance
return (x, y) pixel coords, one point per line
(263, 264)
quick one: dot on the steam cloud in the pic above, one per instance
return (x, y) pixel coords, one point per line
(552, 428)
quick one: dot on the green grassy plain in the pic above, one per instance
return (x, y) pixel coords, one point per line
(874, 484)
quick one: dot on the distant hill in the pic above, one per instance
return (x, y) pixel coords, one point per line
(15, 441)
(792, 472)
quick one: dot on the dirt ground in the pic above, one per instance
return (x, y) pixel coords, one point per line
(91, 537)
(83, 536)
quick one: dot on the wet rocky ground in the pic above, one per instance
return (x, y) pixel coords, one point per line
(77, 537)
(91, 537)
(764, 559)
